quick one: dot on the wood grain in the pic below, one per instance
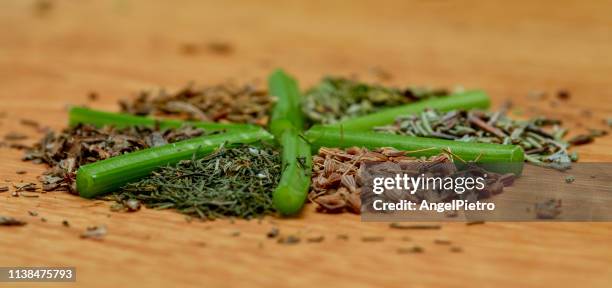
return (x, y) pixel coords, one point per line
(52, 58)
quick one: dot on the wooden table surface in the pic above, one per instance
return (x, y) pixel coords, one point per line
(54, 55)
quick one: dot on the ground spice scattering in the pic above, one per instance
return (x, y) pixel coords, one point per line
(231, 182)
(225, 103)
(66, 151)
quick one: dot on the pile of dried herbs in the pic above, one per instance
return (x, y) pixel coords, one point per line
(340, 175)
(66, 151)
(541, 138)
(225, 103)
(230, 182)
(335, 99)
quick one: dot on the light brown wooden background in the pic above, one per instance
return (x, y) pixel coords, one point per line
(52, 59)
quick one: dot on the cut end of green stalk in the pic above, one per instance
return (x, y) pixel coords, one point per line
(286, 201)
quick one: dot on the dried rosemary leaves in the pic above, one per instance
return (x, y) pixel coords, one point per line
(66, 151)
(541, 138)
(225, 103)
(335, 99)
(230, 182)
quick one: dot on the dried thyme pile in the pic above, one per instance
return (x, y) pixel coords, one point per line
(225, 103)
(230, 182)
(541, 138)
(339, 176)
(335, 99)
(66, 151)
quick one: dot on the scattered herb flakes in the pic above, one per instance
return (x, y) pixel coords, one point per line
(372, 239)
(10, 221)
(15, 136)
(43, 219)
(30, 123)
(456, 249)
(4, 189)
(335, 99)
(396, 225)
(342, 237)
(317, 239)
(541, 138)
(218, 185)
(549, 209)
(65, 223)
(570, 179)
(66, 151)
(273, 233)
(220, 47)
(93, 96)
(94, 232)
(411, 250)
(132, 205)
(581, 139)
(289, 240)
(478, 222)
(442, 242)
(563, 95)
(33, 213)
(226, 103)
(25, 187)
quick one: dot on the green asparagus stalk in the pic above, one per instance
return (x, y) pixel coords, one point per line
(108, 175)
(286, 124)
(100, 118)
(502, 158)
(465, 100)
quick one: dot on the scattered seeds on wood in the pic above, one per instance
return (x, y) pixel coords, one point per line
(411, 250)
(342, 237)
(317, 239)
(548, 209)
(15, 136)
(289, 240)
(478, 222)
(442, 242)
(33, 213)
(65, 223)
(132, 205)
(21, 172)
(456, 249)
(25, 187)
(10, 221)
(94, 232)
(273, 232)
(396, 225)
(570, 179)
(563, 94)
(372, 239)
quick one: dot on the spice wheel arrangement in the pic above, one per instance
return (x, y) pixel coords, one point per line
(246, 152)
